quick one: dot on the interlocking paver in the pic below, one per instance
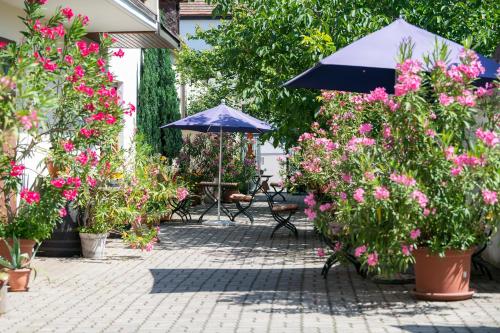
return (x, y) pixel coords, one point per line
(235, 279)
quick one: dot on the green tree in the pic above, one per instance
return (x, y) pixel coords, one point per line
(264, 43)
(158, 103)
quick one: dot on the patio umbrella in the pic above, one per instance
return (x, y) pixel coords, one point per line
(370, 62)
(219, 119)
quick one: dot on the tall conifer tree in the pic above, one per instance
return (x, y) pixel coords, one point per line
(158, 103)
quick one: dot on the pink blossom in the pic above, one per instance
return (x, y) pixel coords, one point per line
(430, 133)
(3, 44)
(325, 207)
(414, 234)
(16, 170)
(337, 247)
(372, 259)
(420, 197)
(84, 19)
(489, 197)
(406, 249)
(359, 195)
(381, 193)
(63, 212)
(76, 182)
(182, 193)
(408, 79)
(67, 12)
(483, 91)
(369, 175)
(70, 195)
(305, 136)
(320, 252)
(489, 138)
(467, 99)
(365, 128)
(358, 252)
(379, 94)
(402, 179)
(347, 178)
(468, 160)
(69, 59)
(49, 65)
(456, 171)
(309, 200)
(119, 53)
(68, 146)
(393, 106)
(92, 182)
(386, 132)
(450, 153)
(82, 158)
(445, 100)
(79, 72)
(86, 132)
(110, 119)
(311, 214)
(30, 197)
(343, 196)
(58, 183)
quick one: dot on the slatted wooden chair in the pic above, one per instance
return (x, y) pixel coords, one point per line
(282, 213)
(278, 190)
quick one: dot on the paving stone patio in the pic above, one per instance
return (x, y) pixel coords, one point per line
(233, 279)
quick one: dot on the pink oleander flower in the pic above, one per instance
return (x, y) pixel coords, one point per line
(305, 136)
(406, 249)
(182, 193)
(84, 19)
(359, 195)
(91, 181)
(70, 195)
(338, 246)
(63, 212)
(393, 106)
(3, 44)
(358, 252)
(430, 133)
(79, 72)
(468, 160)
(379, 94)
(489, 197)
(30, 121)
(450, 153)
(68, 146)
(365, 128)
(58, 182)
(16, 170)
(82, 158)
(309, 200)
(347, 178)
(49, 65)
(420, 197)
(30, 197)
(467, 99)
(414, 234)
(325, 207)
(372, 259)
(310, 213)
(110, 119)
(149, 247)
(369, 176)
(381, 193)
(386, 132)
(76, 182)
(489, 138)
(343, 196)
(402, 179)
(67, 12)
(320, 252)
(484, 91)
(119, 53)
(445, 100)
(86, 132)
(456, 171)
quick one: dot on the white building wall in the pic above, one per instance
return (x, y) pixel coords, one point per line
(127, 73)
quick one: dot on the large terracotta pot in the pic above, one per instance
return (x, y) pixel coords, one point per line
(19, 279)
(442, 278)
(27, 246)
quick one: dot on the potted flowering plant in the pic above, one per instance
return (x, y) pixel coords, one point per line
(18, 266)
(410, 177)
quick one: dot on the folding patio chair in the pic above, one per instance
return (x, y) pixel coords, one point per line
(247, 199)
(278, 209)
(278, 190)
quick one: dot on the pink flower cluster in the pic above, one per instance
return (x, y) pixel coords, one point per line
(352, 145)
(29, 121)
(463, 160)
(313, 165)
(414, 234)
(310, 201)
(359, 195)
(182, 193)
(407, 249)
(402, 179)
(381, 193)
(379, 94)
(30, 197)
(328, 144)
(408, 79)
(365, 128)
(16, 170)
(489, 197)
(420, 197)
(86, 49)
(489, 138)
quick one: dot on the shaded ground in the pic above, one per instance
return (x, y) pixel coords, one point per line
(234, 279)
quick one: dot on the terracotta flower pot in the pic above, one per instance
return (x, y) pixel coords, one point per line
(27, 246)
(19, 279)
(442, 278)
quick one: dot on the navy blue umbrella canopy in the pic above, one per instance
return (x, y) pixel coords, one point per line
(370, 62)
(221, 118)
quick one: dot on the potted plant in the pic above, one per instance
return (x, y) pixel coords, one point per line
(18, 267)
(410, 178)
(4, 278)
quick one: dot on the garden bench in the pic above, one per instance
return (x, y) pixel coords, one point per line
(282, 213)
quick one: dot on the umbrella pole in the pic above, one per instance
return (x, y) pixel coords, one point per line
(220, 175)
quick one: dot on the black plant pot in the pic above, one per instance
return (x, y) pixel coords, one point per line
(65, 240)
